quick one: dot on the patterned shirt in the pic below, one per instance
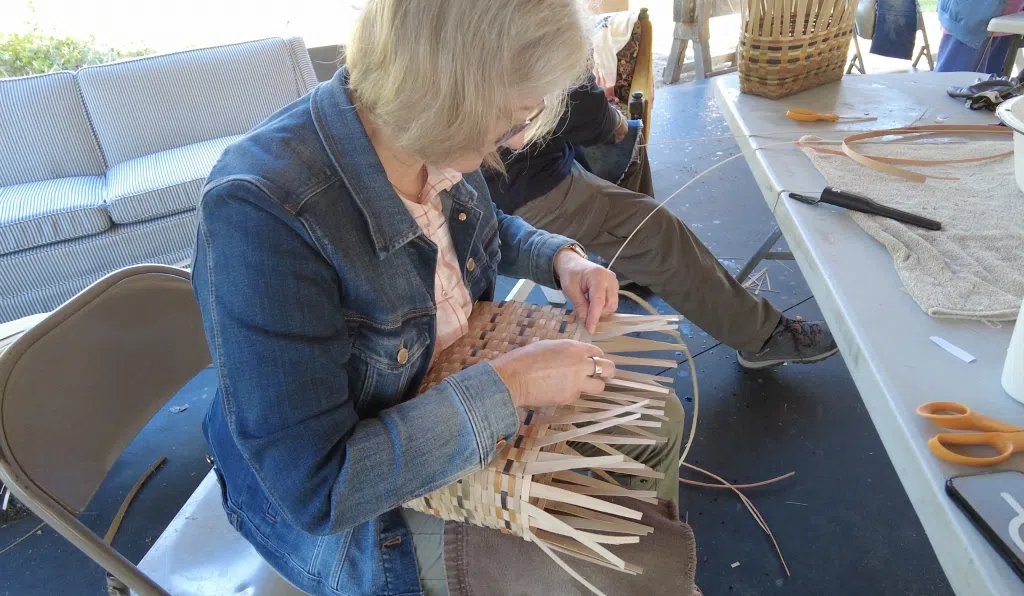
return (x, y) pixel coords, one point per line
(451, 295)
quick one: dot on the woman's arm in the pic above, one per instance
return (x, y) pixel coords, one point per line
(271, 309)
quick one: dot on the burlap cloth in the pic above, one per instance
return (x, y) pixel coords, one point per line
(974, 267)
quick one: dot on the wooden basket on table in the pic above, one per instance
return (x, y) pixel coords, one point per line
(534, 488)
(788, 46)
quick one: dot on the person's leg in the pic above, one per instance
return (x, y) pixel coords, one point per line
(664, 255)
(996, 58)
(956, 56)
(668, 258)
(428, 542)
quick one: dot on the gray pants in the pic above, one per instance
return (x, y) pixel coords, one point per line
(428, 531)
(664, 255)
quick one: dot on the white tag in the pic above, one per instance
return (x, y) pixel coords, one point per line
(959, 353)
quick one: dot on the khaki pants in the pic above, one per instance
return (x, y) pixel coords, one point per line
(428, 531)
(664, 255)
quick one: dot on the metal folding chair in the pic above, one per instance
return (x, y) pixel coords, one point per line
(77, 387)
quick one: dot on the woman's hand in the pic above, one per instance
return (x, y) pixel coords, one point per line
(594, 290)
(552, 372)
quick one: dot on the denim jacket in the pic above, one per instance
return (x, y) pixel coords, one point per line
(967, 20)
(316, 288)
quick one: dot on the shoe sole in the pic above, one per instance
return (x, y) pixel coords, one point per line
(747, 364)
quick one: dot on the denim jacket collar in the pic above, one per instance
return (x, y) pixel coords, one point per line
(342, 133)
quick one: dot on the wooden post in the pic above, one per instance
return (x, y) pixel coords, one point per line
(692, 24)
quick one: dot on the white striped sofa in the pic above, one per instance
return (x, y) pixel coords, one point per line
(103, 168)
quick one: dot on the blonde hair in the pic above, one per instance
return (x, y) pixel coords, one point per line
(438, 75)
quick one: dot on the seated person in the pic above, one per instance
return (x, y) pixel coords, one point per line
(966, 43)
(341, 246)
(547, 187)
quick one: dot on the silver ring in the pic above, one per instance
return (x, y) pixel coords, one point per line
(598, 369)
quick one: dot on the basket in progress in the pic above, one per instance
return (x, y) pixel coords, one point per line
(788, 46)
(539, 487)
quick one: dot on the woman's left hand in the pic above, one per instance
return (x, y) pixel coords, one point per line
(594, 290)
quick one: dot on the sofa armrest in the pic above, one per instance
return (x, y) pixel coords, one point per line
(302, 63)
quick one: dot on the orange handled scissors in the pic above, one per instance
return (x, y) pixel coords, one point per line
(1006, 439)
(812, 116)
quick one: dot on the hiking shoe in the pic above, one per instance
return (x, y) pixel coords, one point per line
(793, 340)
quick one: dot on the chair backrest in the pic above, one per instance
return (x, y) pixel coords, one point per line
(44, 130)
(82, 383)
(152, 104)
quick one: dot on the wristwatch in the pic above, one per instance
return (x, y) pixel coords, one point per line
(576, 247)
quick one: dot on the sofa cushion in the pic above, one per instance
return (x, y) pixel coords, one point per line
(40, 279)
(148, 105)
(162, 183)
(40, 213)
(45, 131)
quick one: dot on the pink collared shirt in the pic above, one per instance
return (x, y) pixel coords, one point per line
(451, 295)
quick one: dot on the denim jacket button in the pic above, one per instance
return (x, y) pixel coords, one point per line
(403, 355)
(462, 217)
(500, 445)
(470, 265)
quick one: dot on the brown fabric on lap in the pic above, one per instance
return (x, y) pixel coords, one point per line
(668, 556)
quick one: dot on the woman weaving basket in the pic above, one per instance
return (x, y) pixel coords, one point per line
(341, 246)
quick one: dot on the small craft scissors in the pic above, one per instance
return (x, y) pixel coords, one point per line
(1005, 438)
(812, 116)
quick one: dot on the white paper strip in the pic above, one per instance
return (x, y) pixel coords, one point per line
(959, 353)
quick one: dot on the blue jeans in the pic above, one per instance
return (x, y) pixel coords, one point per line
(956, 56)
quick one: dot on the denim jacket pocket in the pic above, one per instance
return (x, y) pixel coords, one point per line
(385, 361)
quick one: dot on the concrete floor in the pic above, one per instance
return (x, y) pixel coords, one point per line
(843, 522)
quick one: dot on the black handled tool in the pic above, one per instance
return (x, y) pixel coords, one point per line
(855, 202)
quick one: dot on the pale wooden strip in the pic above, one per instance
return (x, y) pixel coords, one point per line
(600, 405)
(547, 551)
(645, 473)
(540, 515)
(637, 361)
(572, 463)
(599, 485)
(597, 526)
(624, 396)
(546, 491)
(643, 423)
(801, 18)
(570, 435)
(581, 513)
(611, 331)
(641, 377)
(601, 473)
(644, 433)
(592, 416)
(620, 317)
(604, 492)
(634, 344)
(618, 440)
(578, 551)
(557, 524)
(616, 382)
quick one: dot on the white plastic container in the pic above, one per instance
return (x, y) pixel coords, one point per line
(1011, 113)
(1013, 369)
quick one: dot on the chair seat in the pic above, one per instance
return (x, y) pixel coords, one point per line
(200, 553)
(162, 183)
(40, 213)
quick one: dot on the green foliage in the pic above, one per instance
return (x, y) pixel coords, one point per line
(35, 52)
